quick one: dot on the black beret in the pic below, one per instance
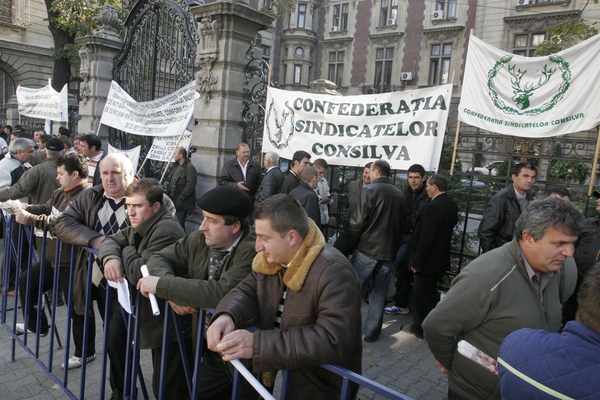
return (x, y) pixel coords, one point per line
(226, 200)
(55, 144)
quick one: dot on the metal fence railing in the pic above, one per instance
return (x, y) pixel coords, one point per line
(73, 384)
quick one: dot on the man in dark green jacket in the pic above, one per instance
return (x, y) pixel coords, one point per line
(198, 270)
(182, 185)
(122, 254)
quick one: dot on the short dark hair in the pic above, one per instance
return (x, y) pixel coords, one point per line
(518, 167)
(74, 162)
(182, 151)
(383, 167)
(559, 190)
(284, 213)
(44, 138)
(320, 163)
(232, 219)
(549, 212)
(149, 187)
(440, 181)
(588, 311)
(62, 131)
(92, 140)
(368, 165)
(299, 156)
(418, 168)
(66, 140)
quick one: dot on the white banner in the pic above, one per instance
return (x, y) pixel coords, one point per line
(44, 103)
(132, 154)
(166, 116)
(163, 147)
(531, 96)
(402, 128)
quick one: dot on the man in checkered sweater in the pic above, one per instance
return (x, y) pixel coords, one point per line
(98, 212)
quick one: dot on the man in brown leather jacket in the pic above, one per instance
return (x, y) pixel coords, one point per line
(305, 297)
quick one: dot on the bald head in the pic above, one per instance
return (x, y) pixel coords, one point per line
(117, 173)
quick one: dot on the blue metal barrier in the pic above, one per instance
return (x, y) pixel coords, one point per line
(133, 322)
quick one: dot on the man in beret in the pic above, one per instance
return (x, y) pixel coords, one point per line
(198, 270)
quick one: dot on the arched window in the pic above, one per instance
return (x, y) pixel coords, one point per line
(7, 89)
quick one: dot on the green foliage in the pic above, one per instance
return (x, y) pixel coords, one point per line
(76, 16)
(505, 169)
(279, 8)
(569, 171)
(565, 35)
(558, 149)
(69, 52)
(447, 159)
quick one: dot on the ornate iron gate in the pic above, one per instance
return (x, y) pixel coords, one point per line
(158, 57)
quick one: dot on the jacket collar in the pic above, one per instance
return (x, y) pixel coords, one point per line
(298, 268)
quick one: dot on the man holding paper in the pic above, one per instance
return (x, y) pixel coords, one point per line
(124, 253)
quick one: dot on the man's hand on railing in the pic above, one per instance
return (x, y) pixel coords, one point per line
(147, 285)
(21, 215)
(230, 343)
(113, 270)
(183, 310)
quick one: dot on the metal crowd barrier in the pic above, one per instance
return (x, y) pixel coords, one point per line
(134, 376)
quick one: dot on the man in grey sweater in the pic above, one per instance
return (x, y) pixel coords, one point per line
(522, 284)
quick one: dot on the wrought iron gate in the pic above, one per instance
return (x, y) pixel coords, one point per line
(158, 57)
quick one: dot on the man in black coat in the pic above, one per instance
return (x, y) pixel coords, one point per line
(429, 250)
(300, 159)
(241, 172)
(181, 188)
(273, 180)
(306, 195)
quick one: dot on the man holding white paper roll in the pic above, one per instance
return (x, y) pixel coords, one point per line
(199, 269)
(123, 255)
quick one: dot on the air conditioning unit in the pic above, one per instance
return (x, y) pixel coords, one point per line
(437, 15)
(406, 76)
(391, 21)
(335, 28)
(523, 2)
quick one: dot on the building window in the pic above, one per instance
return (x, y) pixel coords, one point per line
(340, 16)
(447, 6)
(439, 65)
(268, 4)
(297, 74)
(6, 10)
(384, 61)
(302, 15)
(266, 50)
(336, 67)
(526, 43)
(389, 12)
(7, 89)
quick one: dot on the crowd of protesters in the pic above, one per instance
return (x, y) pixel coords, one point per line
(260, 258)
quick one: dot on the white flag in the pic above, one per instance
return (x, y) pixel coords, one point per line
(44, 103)
(132, 154)
(531, 96)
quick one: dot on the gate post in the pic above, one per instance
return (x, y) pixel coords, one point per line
(97, 53)
(226, 29)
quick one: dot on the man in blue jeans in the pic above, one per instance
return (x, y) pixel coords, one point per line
(377, 226)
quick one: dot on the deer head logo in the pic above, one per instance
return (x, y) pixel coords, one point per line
(283, 122)
(522, 94)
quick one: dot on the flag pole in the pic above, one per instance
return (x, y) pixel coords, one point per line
(171, 157)
(455, 135)
(594, 164)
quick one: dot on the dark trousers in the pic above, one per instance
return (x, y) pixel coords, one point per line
(452, 395)
(14, 242)
(569, 309)
(216, 379)
(31, 312)
(426, 297)
(404, 276)
(181, 217)
(175, 382)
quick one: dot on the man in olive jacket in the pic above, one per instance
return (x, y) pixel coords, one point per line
(199, 269)
(303, 294)
(122, 255)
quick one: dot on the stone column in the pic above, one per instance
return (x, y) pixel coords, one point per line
(226, 29)
(12, 111)
(97, 53)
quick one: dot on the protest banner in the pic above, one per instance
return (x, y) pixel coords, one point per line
(166, 116)
(45, 103)
(163, 146)
(402, 128)
(132, 154)
(531, 96)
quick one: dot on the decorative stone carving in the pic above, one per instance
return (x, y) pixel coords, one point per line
(386, 38)
(338, 44)
(206, 55)
(108, 21)
(85, 54)
(442, 34)
(538, 22)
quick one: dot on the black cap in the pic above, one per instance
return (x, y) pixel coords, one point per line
(55, 144)
(226, 200)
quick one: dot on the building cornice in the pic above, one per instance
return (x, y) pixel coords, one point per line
(445, 33)
(383, 39)
(338, 43)
(539, 22)
(25, 48)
